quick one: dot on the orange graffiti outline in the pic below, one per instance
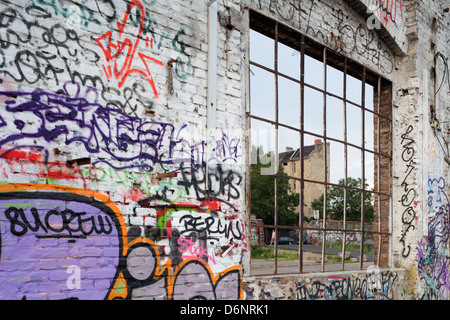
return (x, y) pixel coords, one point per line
(159, 271)
(23, 187)
(172, 275)
(18, 187)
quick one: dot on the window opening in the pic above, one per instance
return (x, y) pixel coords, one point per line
(321, 155)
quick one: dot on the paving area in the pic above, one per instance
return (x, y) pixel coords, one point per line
(267, 267)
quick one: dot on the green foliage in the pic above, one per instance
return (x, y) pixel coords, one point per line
(335, 203)
(263, 197)
(368, 248)
(267, 253)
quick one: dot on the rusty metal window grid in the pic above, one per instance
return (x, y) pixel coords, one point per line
(377, 151)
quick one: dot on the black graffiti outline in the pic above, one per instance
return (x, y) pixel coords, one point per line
(409, 195)
(348, 288)
(196, 177)
(363, 41)
(31, 66)
(18, 218)
(72, 197)
(211, 226)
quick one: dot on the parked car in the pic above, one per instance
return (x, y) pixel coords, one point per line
(285, 240)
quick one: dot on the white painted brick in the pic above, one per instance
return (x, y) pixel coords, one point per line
(187, 104)
(136, 221)
(145, 212)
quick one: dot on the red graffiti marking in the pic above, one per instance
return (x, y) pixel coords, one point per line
(390, 13)
(115, 51)
(134, 195)
(211, 204)
(15, 158)
(16, 155)
(334, 278)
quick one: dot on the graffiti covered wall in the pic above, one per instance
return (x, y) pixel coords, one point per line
(421, 205)
(111, 186)
(375, 284)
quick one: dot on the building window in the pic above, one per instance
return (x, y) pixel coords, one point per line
(322, 121)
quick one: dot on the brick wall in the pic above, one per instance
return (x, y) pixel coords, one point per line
(108, 188)
(112, 186)
(420, 169)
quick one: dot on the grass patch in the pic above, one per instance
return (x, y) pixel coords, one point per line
(267, 253)
(368, 248)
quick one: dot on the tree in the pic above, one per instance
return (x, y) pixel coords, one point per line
(335, 206)
(263, 197)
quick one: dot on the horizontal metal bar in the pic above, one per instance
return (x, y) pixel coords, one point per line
(385, 155)
(319, 89)
(346, 231)
(325, 183)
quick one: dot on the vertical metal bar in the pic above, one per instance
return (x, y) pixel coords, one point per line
(363, 176)
(248, 144)
(276, 150)
(302, 183)
(391, 153)
(344, 238)
(275, 244)
(378, 170)
(325, 196)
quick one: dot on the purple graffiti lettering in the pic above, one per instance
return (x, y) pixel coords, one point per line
(100, 130)
(433, 266)
(45, 235)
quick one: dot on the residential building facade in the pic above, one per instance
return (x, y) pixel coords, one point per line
(313, 162)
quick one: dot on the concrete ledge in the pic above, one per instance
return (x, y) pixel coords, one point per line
(370, 284)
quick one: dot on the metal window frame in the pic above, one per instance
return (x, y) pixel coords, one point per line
(377, 151)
